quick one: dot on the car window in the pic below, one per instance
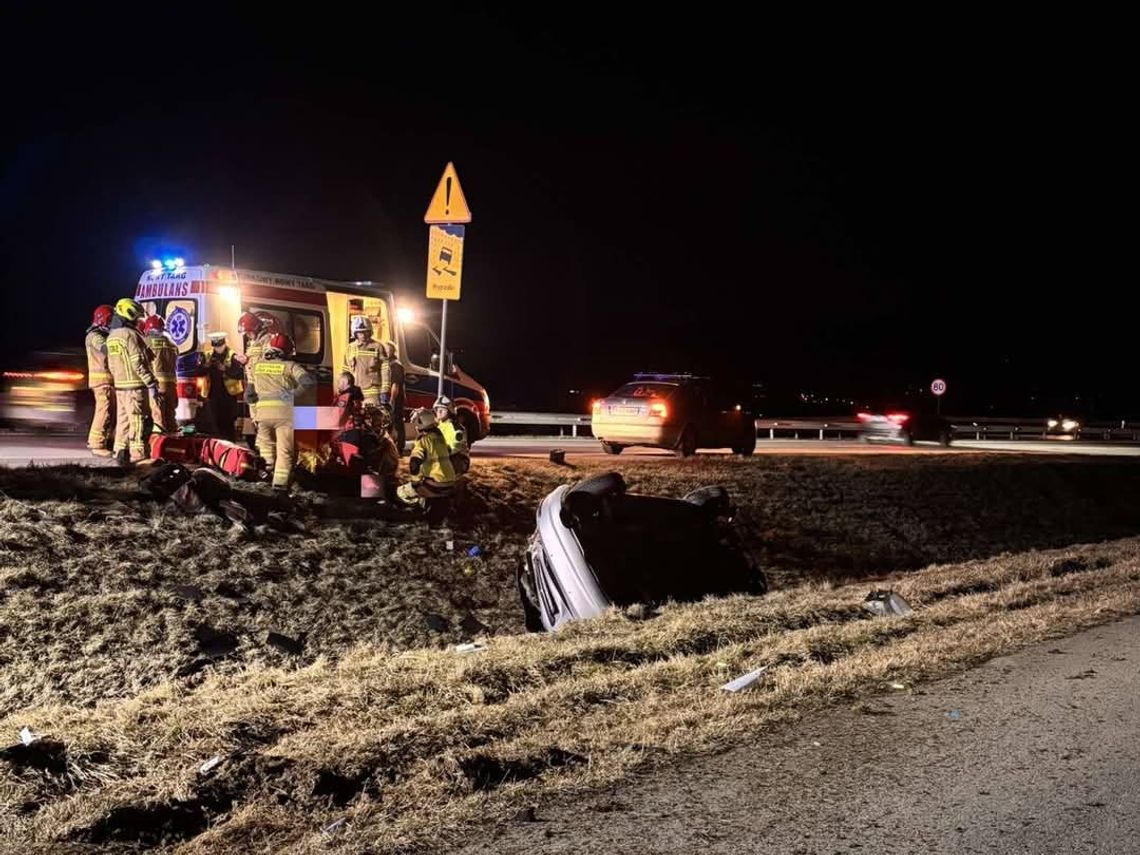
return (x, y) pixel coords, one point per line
(645, 390)
(305, 327)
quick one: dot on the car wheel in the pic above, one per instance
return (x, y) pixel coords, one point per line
(944, 438)
(470, 426)
(907, 437)
(612, 448)
(687, 445)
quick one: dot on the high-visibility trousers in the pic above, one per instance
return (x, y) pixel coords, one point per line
(371, 396)
(102, 423)
(130, 420)
(275, 444)
(162, 418)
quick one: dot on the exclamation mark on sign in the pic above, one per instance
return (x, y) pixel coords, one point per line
(447, 197)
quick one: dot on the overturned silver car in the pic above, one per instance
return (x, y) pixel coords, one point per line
(596, 545)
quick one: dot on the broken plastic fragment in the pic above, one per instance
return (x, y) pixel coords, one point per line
(470, 647)
(747, 681)
(886, 603)
(210, 765)
(954, 715)
(27, 737)
(334, 826)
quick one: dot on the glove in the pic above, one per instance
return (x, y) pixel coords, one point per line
(240, 358)
(385, 398)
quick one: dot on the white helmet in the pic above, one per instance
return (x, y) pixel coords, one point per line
(424, 420)
(444, 403)
(361, 324)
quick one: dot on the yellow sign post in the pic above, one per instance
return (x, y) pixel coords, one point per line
(446, 214)
(445, 262)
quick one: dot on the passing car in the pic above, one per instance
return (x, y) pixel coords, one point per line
(48, 391)
(680, 412)
(906, 427)
(596, 546)
(1063, 426)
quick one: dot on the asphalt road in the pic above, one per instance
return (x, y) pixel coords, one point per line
(18, 449)
(1037, 752)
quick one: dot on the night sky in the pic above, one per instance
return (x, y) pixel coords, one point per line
(850, 207)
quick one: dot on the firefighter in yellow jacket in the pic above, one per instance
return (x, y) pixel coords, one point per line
(363, 359)
(99, 382)
(433, 476)
(276, 378)
(164, 355)
(129, 363)
(453, 434)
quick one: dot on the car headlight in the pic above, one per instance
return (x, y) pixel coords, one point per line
(1070, 424)
(1052, 423)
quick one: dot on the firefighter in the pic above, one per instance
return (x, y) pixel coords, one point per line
(453, 434)
(129, 362)
(392, 390)
(99, 382)
(276, 378)
(164, 355)
(363, 360)
(227, 384)
(433, 477)
(256, 330)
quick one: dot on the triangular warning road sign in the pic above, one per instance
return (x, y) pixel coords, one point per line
(448, 205)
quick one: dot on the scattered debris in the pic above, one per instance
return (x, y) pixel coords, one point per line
(954, 715)
(215, 643)
(747, 681)
(47, 755)
(639, 611)
(558, 456)
(337, 825)
(880, 602)
(471, 625)
(27, 737)
(817, 744)
(448, 539)
(470, 647)
(436, 623)
(190, 593)
(292, 646)
(211, 764)
(899, 686)
(1087, 674)
(474, 551)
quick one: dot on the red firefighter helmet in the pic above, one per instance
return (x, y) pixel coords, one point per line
(249, 324)
(102, 316)
(269, 323)
(281, 343)
(153, 323)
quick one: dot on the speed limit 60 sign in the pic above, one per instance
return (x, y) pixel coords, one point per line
(938, 387)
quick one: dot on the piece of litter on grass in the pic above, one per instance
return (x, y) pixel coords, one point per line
(817, 744)
(954, 715)
(746, 681)
(880, 602)
(27, 737)
(899, 686)
(334, 826)
(470, 647)
(210, 765)
(474, 551)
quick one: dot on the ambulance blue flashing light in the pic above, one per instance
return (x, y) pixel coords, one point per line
(168, 264)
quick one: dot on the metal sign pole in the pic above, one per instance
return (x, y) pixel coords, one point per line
(442, 349)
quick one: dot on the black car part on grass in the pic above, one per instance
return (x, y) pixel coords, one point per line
(596, 545)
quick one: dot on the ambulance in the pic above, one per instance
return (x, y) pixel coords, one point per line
(195, 301)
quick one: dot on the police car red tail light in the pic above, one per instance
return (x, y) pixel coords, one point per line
(863, 417)
(898, 418)
(596, 405)
(658, 408)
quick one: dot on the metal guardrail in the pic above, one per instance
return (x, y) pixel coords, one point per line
(980, 428)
